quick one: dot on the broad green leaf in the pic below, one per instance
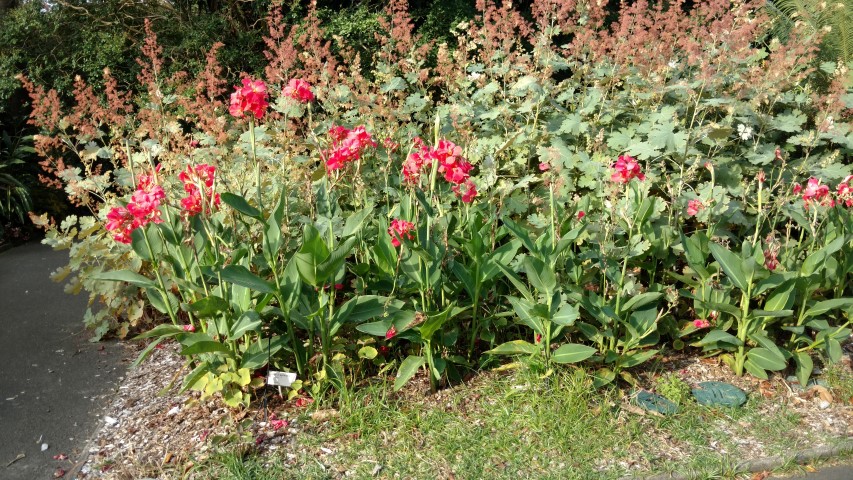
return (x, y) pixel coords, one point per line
(241, 205)
(754, 369)
(731, 265)
(434, 321)
(818, 258)
(240, 275)
(515, 347)
(524, 309)
(640, 300)
(572, 353)
(540, 275)
(566, 315)
(407, 370)
(355, 221)
(311, 254)
(209, 306)
(833, 350)
(126, 276)
(782, 298)
(634, 359)
(378, 328)
(248, 322)
(196, 343)
(805, 366)
(766, 359)
(259, 353)
(715, 337)
(824, 306)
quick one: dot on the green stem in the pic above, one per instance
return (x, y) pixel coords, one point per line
(160, 281)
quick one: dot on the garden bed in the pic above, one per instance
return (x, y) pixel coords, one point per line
(177, 436)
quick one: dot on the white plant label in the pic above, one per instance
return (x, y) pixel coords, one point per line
(281, 379)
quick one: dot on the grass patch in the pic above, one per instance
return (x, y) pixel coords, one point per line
(518, 426)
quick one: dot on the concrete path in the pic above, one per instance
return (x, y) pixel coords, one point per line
(53, 381)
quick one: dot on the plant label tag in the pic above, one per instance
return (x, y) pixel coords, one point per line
(281, 379)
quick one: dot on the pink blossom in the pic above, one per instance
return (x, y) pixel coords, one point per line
(770, 260)
(468, 195)
(626, 168)
(701, 323)
(198, 184)
(399, 230)
(693, 207)
(188, 328)
(250, 98)
(347, 146)
(544, 167)
(815, 192)
(581, 214)
(298, 90)
(120, 221)
(845, 191)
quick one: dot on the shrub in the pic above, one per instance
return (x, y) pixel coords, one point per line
(559, 190)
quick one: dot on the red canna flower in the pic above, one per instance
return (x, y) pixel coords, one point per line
(143, 208)
(120, 222)
(770, 260)
(399, 230)
(815, 192)
(626, 168)
(298, 90)
(391, 333)
(581, 214)
(470, 191)
(250, 98)
(845, 192)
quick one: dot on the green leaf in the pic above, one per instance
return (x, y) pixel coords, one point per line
(241, 205)
(515, 347)
(311, 254)
(715, 337)
(161, 331)
(248, 322)
(407, 370)
(209, 306)
(240, 275)
(566, 315)
(434, 321)
(367, 352)
(572, 353)
(196, 343)
(379, 328)
(731, 265)
(126, 276)
(355, 221)
(766, 359)
(827, 305)
(754, 369)
(634, 359)
(259, 352)
(833, 350)
(540, 275)
(524, 309)
(640, 300)
(782, 297)
(805, 366)
(818, 258)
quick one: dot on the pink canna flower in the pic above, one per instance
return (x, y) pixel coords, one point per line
(399, 230)
(298, 90)
(626, 168)
(844, 192)
(121, 222)
(581, 214)
(189, 328)
(544, 167)
(771, 262)
(198, 184)
(468, 195)
(250, 98)
(816, 192)
(347, 146)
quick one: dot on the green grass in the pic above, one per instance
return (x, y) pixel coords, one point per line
(514, 426)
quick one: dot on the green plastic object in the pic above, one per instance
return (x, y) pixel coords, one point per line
(719, 394)
(654, 402)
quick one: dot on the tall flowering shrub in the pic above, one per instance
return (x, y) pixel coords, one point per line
(590, 192)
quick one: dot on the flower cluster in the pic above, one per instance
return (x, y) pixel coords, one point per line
(250, 98)
(399, 230)
(701, 323)
(845, 191)
(144, 208)
(298, 90)
(451, 164)
(626, 168)
(815, 192)
(347, 146)
(198, 184)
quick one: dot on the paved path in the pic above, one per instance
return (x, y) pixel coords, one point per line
(52, 379)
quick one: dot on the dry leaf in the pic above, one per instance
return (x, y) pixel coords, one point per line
(323, 415)
(760, 475)
(823, 393)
